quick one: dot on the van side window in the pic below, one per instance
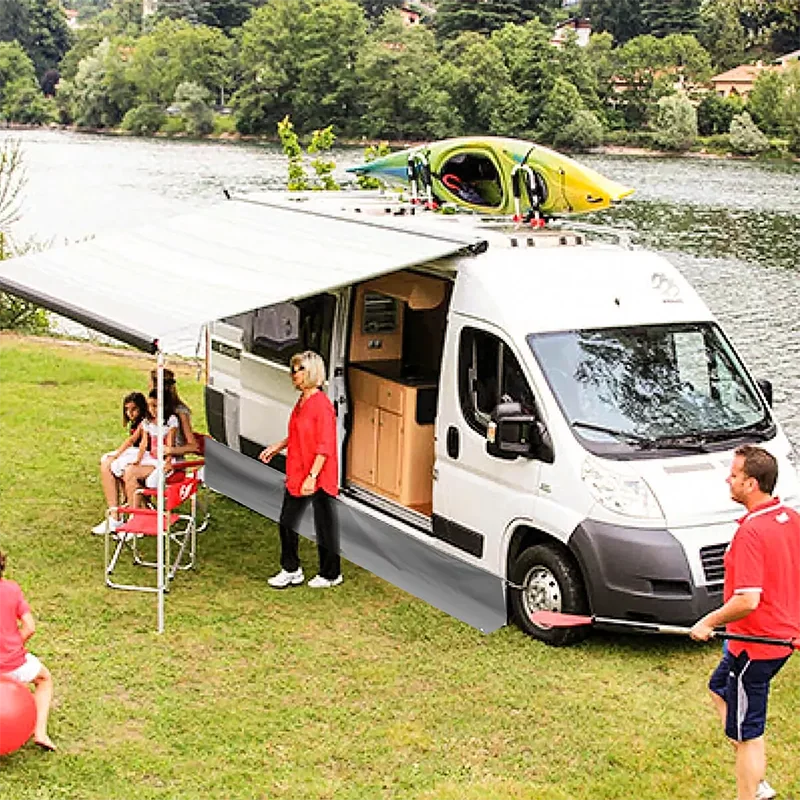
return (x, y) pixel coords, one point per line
(278, 332)
(488, 374)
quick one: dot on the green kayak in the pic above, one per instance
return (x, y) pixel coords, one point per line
(494, 175)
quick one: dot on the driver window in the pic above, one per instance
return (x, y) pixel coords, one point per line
(488, 374)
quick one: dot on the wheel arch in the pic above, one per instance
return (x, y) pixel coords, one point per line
(525, 535)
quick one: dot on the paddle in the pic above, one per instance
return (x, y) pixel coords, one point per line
(554, 619)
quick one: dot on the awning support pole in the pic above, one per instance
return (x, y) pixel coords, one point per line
(160, 492)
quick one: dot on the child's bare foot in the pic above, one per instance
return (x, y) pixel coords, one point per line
(46, 743)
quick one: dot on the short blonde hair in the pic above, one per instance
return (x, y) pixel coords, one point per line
(313, 368)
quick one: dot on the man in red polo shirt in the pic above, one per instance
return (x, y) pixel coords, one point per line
(762, 598)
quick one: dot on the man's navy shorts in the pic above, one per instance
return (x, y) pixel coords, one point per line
(744, 686)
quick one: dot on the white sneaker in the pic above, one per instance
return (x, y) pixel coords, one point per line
(284, 579)
(318, 582)
(100, 528)
(765, 791)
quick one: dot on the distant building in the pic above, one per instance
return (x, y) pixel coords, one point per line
(580, 26)
(738, 81)
(72, 18)
(149, 7)
(411, 15)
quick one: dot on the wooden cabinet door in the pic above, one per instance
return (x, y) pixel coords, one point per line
(363, 443)
(390, 452)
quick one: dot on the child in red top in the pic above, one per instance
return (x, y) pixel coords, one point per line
(16, 627)
(312, 474)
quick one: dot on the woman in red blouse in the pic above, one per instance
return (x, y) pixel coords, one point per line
(312, 474)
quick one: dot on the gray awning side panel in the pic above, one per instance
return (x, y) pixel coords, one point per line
(236, 256)
(461, 590)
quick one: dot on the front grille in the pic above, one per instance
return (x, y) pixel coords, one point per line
(712, 558)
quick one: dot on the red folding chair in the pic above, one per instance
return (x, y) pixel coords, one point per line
(141, 525)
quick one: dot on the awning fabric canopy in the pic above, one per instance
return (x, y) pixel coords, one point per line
(243, 253)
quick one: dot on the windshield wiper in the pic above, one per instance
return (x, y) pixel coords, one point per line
(646, 442)
(760, 428)
(626, 436)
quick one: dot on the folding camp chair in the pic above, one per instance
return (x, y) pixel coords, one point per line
(180, 528)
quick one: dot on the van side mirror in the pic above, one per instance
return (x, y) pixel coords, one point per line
(766, 390)
(511, 434)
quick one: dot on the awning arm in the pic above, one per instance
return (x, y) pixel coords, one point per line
(134, 338)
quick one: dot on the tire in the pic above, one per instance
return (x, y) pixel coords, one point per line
(550, 581)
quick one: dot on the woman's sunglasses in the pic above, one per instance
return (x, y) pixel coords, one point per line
(295, 370)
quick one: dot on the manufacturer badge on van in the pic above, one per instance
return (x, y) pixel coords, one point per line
(667, 287)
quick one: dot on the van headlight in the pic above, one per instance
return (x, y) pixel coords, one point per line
(623, 494)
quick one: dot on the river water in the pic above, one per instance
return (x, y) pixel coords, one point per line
(731, 227)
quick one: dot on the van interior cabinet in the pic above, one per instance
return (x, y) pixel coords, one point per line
(389, 452)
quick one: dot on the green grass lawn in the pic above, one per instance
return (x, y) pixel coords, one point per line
(358, 692)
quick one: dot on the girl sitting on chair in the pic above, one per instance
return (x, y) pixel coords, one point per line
(145, 467)
(113, 464)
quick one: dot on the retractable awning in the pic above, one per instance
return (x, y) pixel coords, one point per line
(139, 286)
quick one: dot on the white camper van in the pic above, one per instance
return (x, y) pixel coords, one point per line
(532, 423)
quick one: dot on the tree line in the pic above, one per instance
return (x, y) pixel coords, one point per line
(200, 66)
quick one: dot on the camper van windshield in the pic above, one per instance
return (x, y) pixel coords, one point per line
(652, 388)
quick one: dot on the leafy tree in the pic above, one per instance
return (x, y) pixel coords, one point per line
(745, 136)
(583, 132)
(101, 92)
(24, 103)
(197, 12)
(532, 64)
(675, 123)
(49, 35)
(40, 26)
(454, 17)
(621, 18)
(648, 67)
(375, 9)
(299, 57)
(663, 17)
(792, 107)
(397, 71)
(574, 64)
(559, 112)
(766, 102)
(84, 44)
(192, 99)
(15, 21)
(714, 113)
(722, 33)
(478, 81)
(16, 70)
(175, 51)
(230, 14)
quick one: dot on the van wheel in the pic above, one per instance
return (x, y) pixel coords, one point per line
(549, 581)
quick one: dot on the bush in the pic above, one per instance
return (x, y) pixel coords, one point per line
(584, 132)
(718, 143)
(224, 123)
(714, 113)
(675, 123)
(624, 138)
(173, 125)
(193, 102)
(25, 103)
(144, 120)
(746, 138)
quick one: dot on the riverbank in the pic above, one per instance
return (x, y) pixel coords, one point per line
(706, 147)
